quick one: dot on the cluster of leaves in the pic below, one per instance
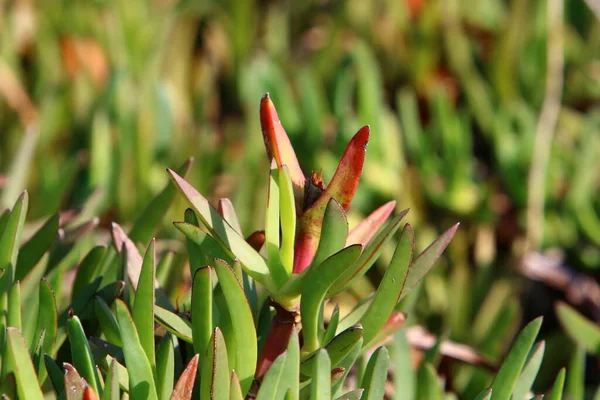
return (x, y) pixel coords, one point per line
(253, 323)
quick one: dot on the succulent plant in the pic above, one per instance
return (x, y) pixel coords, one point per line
(254, 325)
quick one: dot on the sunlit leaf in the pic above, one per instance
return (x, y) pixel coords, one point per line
(141, 379)
(214, 381)
(319, 280)
(375, 375)
(509, 372)
(26, 379)
(243, 325)
(389, 290)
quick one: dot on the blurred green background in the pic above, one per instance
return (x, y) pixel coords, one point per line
(97, 98)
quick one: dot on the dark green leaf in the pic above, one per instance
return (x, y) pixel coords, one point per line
(33, 250)
(88, 269)
(338, 349)
(83, 360)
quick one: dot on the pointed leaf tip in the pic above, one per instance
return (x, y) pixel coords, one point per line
(368, 227)
(345, 179)
(278, 144)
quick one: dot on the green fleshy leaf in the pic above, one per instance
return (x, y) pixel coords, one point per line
(273, 379)
(55, 374)
(214, 381)
(185, 383)
(580, 329)
(355, 394)
(102, 348)
(202, 309)
(122, 373)
(338, 349)
(141, 380)
(235, 391)
(320, 279)
(403, 371)
(557, 389)
(287, 210)
(13, 315)
(486, 394)
(144, 227)
(355, 315)
(47, 318)
(291, 370)
(375, 375)
(333, 325)
(143, 306)
(25, 377)
(33, 250)
(529, 373)
(88, 269)
(243, 324)
(228, 213)
(203, 249)
(576, 375)
(368, 227)
(320, 385)
(111, 386)
(255, 265)
(344, 366)
(509, 372)
(107, 321)
(333, 233)
(173, 323)
(424, 261)
(165, 367)
(276, 268)
(429, 384)
(9, 252)
(389, 290)
(368, 257)
(83, 360)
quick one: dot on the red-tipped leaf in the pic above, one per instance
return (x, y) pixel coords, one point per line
(368, 227)
(342, 188)
(278, 144)
(185, 383)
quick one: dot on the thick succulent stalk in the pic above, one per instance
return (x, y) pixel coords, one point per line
(277, 341)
